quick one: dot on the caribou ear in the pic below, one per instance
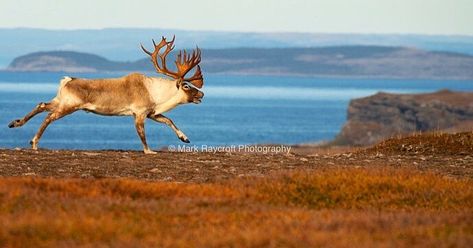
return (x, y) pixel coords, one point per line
(179, 83)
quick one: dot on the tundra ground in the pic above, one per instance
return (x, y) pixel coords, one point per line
(412, 191)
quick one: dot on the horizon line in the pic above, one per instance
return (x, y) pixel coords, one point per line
(243, 32)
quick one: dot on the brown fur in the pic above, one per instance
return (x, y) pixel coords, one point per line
(108, 93)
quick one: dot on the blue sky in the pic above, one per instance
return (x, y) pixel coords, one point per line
(331, 16)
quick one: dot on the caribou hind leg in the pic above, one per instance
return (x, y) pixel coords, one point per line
(41, 107)
(140, 129)
(53, 116)
(163, 119)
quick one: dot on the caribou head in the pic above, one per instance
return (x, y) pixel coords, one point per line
(184, 63)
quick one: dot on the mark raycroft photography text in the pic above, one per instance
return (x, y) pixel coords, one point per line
(231, 148)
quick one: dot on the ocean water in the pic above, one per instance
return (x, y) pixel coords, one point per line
(235, 110)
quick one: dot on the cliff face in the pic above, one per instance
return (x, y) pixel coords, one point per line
(383, 115)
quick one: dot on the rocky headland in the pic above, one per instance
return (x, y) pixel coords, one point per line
(383, 115)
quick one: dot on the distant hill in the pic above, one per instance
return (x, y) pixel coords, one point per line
(64, 61)
(350, 61)
(122, 44)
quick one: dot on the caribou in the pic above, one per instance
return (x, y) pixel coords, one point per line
(134, 95)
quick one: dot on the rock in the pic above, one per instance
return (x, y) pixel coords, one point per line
(384, 115)
(91, 153)
(155, 170)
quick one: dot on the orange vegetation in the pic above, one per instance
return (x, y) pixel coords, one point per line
(336, 207)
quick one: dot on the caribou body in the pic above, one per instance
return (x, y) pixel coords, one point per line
(135, 95)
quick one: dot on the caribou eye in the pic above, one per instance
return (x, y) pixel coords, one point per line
(186, 87)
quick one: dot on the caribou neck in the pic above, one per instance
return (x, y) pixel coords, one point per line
(165, 94)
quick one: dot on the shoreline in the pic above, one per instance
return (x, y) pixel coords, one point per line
(263, 74)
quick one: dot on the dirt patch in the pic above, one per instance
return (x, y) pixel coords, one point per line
(448, 154)
(164, 166)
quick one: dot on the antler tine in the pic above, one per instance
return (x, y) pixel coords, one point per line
(179, 57)
(173, 38)
(146, 51)
(200, 53)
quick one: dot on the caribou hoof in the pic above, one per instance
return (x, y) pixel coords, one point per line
(34, 146)
(15, 123)
(148, 151)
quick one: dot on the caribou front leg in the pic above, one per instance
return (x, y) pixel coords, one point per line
(140, 128)
(163, 119)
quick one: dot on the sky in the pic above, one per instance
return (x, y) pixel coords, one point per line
(327, 16)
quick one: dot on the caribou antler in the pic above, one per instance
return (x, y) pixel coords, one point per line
(154, 56)
(184, 63)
